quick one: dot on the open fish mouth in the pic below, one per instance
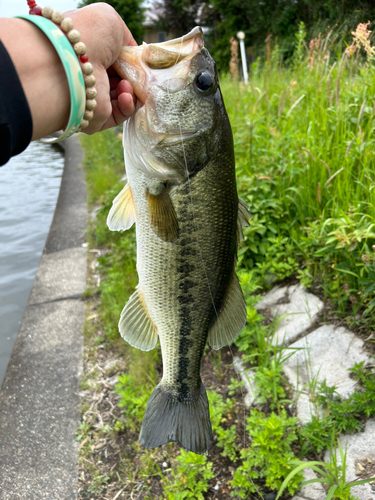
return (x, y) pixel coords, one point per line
(142, 65)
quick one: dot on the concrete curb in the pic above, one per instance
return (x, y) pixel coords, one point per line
(39, 397)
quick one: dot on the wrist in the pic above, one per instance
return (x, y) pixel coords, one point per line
(41, 74)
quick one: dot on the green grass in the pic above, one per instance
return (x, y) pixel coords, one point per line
(305, 156)
(104, 164)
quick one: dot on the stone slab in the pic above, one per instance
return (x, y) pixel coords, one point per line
(324, 354)
(314, 491)
(358, 446)
(298, 308)
(60, 274)
(274, 297)
(247, 376)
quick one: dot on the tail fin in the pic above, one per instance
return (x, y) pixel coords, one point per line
(167, 419)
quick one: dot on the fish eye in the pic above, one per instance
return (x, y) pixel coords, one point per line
(205, 83)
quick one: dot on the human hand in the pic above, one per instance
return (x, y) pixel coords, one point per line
(104, 32)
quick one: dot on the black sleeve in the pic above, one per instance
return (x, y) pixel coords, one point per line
(16, 126)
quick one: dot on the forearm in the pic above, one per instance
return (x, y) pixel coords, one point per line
(41, 74)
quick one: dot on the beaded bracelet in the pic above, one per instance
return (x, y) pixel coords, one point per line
(72, 70)
(74, 37)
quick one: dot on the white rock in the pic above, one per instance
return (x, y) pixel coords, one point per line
(273, 297)
(247, 376)
(298, 308)
(314, 491)
(358, 446)
(324, 354)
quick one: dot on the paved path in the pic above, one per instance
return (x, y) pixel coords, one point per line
(322, 352)
(39, 402)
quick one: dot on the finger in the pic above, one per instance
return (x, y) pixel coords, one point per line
(122, 109)
(121, 87)
(126, 104)
(115, 79)
(124, 86)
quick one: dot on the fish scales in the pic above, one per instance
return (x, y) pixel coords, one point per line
(189, 265)
(182, 195)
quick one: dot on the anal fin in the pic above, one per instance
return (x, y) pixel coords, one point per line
(231, 318)
(136, 326)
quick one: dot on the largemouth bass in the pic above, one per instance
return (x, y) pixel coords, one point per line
(181, 194)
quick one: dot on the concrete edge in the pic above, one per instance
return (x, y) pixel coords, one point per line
(39, 397)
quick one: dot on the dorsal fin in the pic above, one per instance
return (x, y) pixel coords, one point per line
(122, 213)
(242, 219)
(135, 325)
(232, 317)
(162, 215)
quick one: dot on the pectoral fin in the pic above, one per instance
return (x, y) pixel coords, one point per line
(162, 214)
(232, 317)
(122, 213)
(136, 326)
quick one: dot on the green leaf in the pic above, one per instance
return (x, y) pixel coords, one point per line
(346, 271)
(296, 470)
(331, 491)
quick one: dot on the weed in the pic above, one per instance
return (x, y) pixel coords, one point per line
(332, 474)
(304, 161)
(299, 52)
(235, 387)
(221, 412)
(305, 277)
(134, 397)
(83, 430)
(344, 415)
(218, 365)
(104, 164)
(269, 454)
(266, 359)
(191, 478)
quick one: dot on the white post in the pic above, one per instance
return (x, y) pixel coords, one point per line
(241, 37)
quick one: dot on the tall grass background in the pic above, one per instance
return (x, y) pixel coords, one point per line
(305, 155)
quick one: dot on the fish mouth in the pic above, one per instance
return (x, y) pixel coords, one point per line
(166, 54)
(141, 65)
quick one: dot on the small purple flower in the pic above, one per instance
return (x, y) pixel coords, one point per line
(352, 299)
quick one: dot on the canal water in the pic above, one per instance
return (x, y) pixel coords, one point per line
(29, 186)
